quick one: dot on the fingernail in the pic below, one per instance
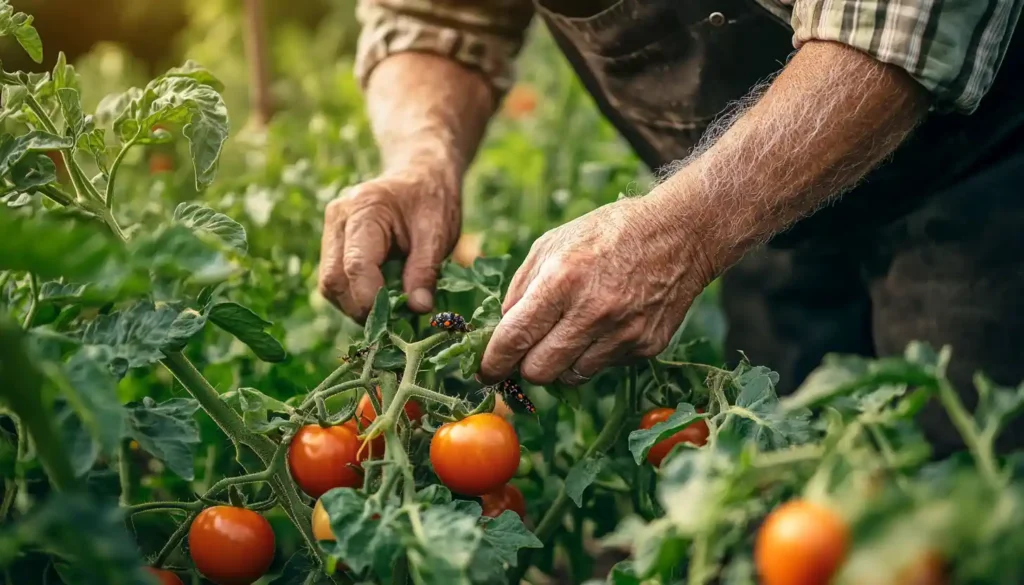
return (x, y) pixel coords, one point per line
(421, 299)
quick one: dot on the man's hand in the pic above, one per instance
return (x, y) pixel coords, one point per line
(617, 282)
(428, 115)
(415, 214)
(610, 285)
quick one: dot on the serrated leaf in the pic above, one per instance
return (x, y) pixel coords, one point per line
(92, 392)
(95, 143)
(179, 100)
(249, 328)
(71, 107)
(256, 407)
(60, 292)
(52, 249)
(197, 72)
(506, 535)
(175, 251)
(361, 541)
(486, 275)
(582, 474)
(448, 543)
(139, 335)
(63, 75)
(13, 149)
(434, 494)
(20, 25)
(167, 431)
(377, 321)
(199, 218)
(641, 441)
(33, 170)
(757, 418)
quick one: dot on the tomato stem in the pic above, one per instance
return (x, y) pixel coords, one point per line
(33, 302)
(108, 196)
(980, 450)
(124, 472)
(174, 540)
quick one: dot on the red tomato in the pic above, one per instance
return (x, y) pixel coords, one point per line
(164, 577)
(507, 498)
(160, 163)
(231, 546)
(695, 434)
(476, 455)
(319, 458)
(367, 414)
(800, 543)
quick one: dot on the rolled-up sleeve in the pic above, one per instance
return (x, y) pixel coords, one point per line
(951, 47)
(485, 35)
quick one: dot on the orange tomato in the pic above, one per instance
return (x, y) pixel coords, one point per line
(164, 576)
(322, 523)
(507, 498)
(800, 543)
(231, 546)
(695, 434)
(367, 414)
(476, 455)
(160, 163)
(319, 458)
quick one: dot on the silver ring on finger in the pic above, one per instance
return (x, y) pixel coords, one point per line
(573, 378)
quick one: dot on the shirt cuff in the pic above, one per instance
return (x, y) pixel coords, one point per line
(386, 32)
(952, 49)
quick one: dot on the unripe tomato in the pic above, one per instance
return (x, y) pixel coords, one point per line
(231, 546)
(322, 523)
(800, 543)
(319, 458)
(508, 497)
(695, 434)
(476, 455)
(165, 577)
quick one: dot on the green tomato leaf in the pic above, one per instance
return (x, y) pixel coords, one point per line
(63, 75)
(92, 392)
(20, 26)
(167, 431)
(377, 321)
(71, 108)
(434, 494)
(175, 251)
(139, 335)
(12, 149)
(107, 556)
(505, 535)
(756, 417)
(32, 171)
(249, 328)
(194, 71)
(81, 448)
(447, 544)
(844, 375)
(95, 143)
(996, 406)
(361, 541)
(641, 441)
(256, 408)
(469, 350)
(199, 218)
(178, 99)
(622, 574)
(54, 249)
(582, 474)
(486, 275)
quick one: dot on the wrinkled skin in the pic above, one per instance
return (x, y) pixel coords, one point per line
(609, 286)
(415, 214)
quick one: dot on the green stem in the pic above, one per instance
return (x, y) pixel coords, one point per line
(83, 187)
(33, 304)
(56, 194)
(4, 277)
(10, 492)
(144, 507)
(982, 453)
(108, 196)
(174, 540)
(551, 520)
(124, 471)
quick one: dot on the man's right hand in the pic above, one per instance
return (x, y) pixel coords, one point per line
(414, 213)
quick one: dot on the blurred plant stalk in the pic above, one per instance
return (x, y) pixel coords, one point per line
(259, 64)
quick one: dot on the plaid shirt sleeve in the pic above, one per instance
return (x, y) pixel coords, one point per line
(952, 48)
(485, 35)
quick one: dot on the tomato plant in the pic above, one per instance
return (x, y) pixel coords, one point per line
(231, 546)
(147, 390)
(476, 455)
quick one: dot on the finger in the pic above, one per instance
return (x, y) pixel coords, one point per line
(603, 353)
(367, 242)
(426, 251)
(520, 329)
(331, 281)
(559, 350)
(521, 280)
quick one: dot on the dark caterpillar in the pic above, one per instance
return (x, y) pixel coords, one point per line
(511, 391)
(449, 321)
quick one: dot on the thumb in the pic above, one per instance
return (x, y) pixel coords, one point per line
(421, 267)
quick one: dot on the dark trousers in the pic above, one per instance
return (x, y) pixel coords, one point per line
(949, 272)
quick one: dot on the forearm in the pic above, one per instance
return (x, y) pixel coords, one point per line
(428, 110)
(830, 117)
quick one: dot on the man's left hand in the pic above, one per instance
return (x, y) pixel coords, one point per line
(611, 285)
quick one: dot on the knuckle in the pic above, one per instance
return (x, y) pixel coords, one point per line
(534, 371)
